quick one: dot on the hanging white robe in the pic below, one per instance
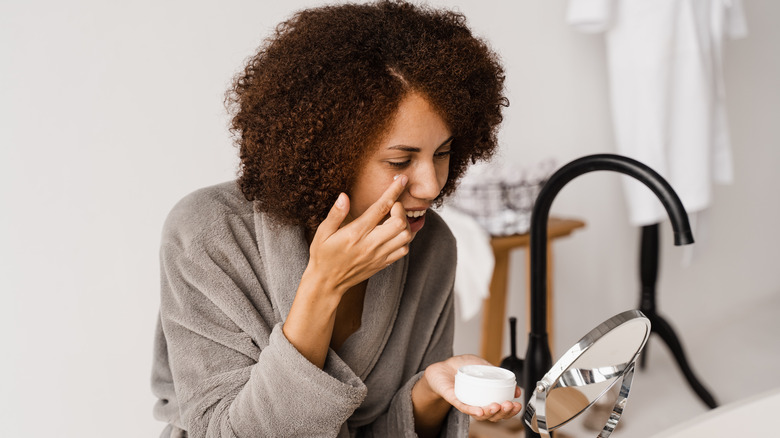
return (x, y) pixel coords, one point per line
(667, 91)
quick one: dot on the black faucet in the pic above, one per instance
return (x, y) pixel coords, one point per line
(538, 358)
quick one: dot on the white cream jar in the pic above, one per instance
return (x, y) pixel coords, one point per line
(481, 385)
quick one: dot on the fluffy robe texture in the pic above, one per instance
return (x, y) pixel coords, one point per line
(222, 365)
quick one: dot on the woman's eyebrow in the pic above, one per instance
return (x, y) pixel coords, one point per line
(447, 141)
(406, 148)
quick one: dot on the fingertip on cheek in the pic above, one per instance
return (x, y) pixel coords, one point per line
(402, 177)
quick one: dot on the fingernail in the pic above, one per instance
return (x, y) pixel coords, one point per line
(396, 177)
(340, 200)
(403, 177)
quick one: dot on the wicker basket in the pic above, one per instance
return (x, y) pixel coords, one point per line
(502, 207)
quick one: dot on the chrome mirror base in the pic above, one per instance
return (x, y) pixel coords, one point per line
(602, 358)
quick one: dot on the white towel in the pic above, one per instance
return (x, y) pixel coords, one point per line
(475, 261)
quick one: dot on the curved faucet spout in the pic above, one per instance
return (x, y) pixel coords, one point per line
(538, 358)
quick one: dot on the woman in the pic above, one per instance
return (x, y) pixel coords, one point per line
(313, 297)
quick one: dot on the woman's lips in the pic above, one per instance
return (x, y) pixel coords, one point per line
(415, 223)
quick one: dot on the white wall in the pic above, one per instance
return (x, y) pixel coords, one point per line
(111, 111)
(558, 90)
(559, 108)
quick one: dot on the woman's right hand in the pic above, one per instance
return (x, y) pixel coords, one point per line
(343, 255)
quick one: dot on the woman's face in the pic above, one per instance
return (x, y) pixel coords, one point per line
(417, 144)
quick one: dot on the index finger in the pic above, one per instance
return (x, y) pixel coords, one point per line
(381, 208)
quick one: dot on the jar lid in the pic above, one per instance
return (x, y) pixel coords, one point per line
(486, 375)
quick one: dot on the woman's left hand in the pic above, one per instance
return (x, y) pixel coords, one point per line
(440, 378)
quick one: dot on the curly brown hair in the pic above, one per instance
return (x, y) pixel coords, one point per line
(313, 102)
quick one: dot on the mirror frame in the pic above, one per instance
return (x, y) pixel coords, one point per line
(562, 371)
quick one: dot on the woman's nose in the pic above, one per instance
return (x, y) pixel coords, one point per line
(424, 182)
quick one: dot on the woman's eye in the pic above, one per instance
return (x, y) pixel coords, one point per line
(399, 163)
(443, 154)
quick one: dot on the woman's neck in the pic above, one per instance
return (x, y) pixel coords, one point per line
(348, 315)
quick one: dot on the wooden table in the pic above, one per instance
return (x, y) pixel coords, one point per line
(494, 310)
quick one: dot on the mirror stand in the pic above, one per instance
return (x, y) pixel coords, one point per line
(604, 357)
(614, 416)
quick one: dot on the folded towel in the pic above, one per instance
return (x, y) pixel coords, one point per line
(475, 261)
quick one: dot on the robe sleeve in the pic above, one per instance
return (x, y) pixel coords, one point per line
(398, 421)
(228, 383)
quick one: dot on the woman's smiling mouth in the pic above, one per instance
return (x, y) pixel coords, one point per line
(416, 219)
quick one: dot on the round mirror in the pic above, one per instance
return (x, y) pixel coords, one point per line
(602, 358)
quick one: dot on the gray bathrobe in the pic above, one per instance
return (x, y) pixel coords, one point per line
(222, 366)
